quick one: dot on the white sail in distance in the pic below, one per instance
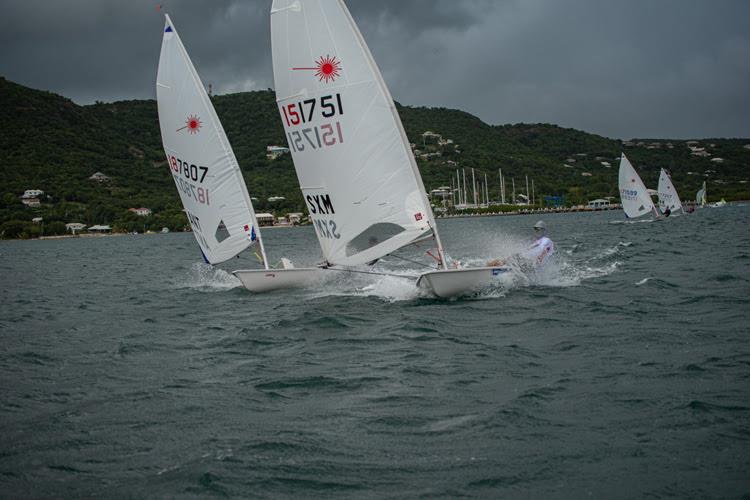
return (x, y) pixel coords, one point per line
(356, 169)
(668, 197)
(633, 193)
(200, 158)
(700, 196)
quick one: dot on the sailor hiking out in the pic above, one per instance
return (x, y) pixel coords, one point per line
(537, 253)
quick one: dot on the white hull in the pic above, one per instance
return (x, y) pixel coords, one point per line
(266, 280)
(452, 282)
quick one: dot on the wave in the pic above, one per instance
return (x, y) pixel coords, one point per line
(206, 278)
(635, 221)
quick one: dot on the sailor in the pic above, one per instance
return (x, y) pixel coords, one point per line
(542, 247)
(537, 253)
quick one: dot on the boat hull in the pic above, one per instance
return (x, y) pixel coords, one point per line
(451, 282)
(266, 280)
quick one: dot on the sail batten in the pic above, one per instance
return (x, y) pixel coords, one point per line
(344, 135)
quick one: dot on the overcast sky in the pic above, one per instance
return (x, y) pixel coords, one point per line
(619, 68)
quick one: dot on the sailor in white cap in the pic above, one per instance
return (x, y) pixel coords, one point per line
(537, 253)
(542, 248)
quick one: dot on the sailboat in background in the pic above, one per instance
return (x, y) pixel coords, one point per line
(353, 160)
(668, 197)
(700, 196)
(634, 196)
(206, 172)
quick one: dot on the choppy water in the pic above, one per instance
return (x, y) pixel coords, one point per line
(128, 369)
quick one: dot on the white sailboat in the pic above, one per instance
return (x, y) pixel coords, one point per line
(356, 170)
(206, 172)
(700, 196)
(668, 197)
(634, 196)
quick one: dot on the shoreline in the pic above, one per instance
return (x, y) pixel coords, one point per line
(542, 211)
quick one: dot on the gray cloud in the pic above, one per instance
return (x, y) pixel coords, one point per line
(673, 68)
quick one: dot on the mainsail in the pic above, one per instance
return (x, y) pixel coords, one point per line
(668, 198)
(200, 158)
(700, 196)
(633, 193)
(356, 169)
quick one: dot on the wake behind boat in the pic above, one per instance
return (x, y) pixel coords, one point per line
(206, 172)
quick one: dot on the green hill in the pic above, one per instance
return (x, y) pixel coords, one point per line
(52, 144)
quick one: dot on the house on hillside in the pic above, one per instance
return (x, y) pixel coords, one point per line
(142, 212)
(32, 193)
(99, 177)
(273, 152)
(75, 227)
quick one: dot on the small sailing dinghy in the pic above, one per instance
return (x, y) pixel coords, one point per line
(353, 160)
(634, 196)
(668, 197)
(700, 196)
(206, 172)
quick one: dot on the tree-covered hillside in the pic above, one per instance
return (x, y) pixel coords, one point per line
(54, 145)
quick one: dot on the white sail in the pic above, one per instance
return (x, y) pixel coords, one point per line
(668, 198)
(355, 167)
(633, 193)
(200, 158)
(700, 196)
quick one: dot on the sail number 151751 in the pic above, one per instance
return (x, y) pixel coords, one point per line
(301, 112)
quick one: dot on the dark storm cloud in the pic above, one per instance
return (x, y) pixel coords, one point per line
(672, 68)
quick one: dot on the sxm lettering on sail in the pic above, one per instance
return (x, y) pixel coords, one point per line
(320, 205)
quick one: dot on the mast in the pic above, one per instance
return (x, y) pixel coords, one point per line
(486, 191)
(458, 186)
(513, 180)
(464, 171)
(528, 198)
(502, 186)
(474, 186)
(533, 196)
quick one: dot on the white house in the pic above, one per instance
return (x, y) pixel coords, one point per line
(264, 219)
(99, 177)
(598, 204)
(75, 227)
(32, 193)
(273, 152)
(142, 212)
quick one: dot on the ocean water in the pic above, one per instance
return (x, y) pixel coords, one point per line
(128, 368)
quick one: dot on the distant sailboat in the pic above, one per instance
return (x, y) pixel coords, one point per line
(635, 198)
(206, 172)
(700, 196)
(668, 197)
(356, 169)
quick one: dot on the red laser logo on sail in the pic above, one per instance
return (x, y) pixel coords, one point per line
(326, 68)
(192, 124)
